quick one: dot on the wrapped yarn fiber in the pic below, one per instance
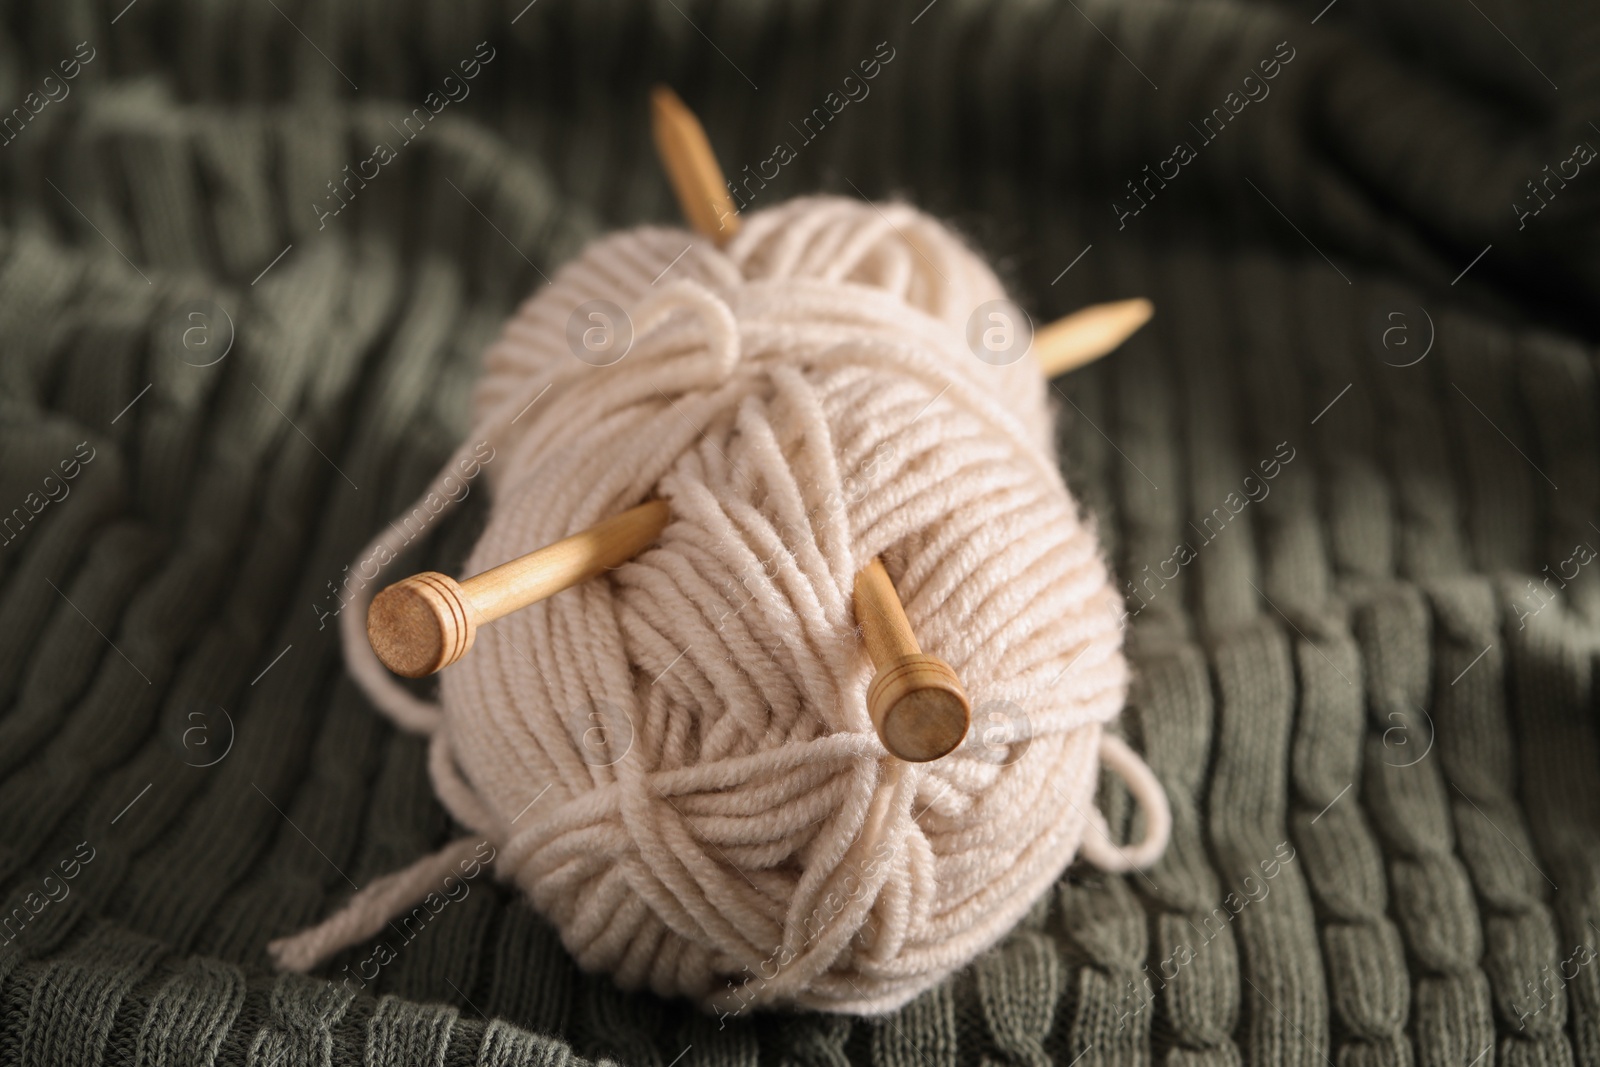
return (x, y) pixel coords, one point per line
(674, 761)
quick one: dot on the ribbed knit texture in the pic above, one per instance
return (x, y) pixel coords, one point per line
(1280, 679)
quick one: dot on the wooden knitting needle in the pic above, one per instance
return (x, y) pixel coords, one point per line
(692, 168)
(915, 700)
(1087, 334)
(1065, 345)
(426, 622)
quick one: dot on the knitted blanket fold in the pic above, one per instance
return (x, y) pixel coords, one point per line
(251, 256)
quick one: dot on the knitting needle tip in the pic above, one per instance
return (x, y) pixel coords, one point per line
(1086, 335)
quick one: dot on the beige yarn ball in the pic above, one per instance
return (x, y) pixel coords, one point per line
(674, 761)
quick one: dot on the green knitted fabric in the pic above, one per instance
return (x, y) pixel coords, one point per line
(1379, 739)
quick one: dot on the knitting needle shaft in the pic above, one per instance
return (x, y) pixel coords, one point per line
(426, 622)
(691, 167)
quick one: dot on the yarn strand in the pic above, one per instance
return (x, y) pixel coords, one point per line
(371, 910)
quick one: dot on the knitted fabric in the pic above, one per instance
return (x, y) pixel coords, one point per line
(1348, 690)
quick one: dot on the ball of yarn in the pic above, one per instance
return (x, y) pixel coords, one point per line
(674, 761)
